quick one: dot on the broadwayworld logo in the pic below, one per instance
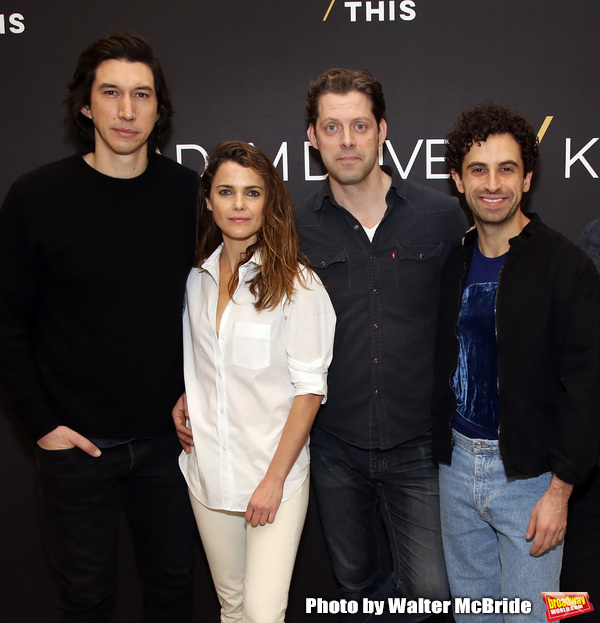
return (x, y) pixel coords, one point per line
(373, 10)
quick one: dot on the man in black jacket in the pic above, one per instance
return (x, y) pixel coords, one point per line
(517, 369)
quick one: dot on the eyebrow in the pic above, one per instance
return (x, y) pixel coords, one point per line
(108, 85)
(485, 164)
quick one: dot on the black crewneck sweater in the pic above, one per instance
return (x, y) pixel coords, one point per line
(92, 278)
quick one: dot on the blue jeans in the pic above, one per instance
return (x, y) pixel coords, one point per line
(484, 518)
(80, 498)
(354, 487)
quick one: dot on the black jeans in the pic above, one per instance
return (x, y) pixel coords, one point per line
(80, 498)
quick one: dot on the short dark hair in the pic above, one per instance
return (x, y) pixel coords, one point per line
(474, 126)
(125, 46)
(342, 82)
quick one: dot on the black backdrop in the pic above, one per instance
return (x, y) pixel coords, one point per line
(239, 69)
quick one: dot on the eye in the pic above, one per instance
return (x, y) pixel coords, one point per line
(330, 128)
(361, 127)
(224, 191)
(253, 193)
(110, 92)
(142, 95)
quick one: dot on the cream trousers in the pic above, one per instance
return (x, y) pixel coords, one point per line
(252, 567)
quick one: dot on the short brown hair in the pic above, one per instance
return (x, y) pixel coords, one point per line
(344, 81)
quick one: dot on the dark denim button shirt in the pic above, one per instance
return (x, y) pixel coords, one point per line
(385, 294)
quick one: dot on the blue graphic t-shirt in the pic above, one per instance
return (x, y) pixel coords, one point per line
(475, 379)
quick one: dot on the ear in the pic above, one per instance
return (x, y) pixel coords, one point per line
(382, 131)
(527, 181)
(208, 205)
(312, 137)
(86, 112)
(457, 180)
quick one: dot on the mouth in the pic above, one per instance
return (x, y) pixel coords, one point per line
(125, 132)
(492, 200)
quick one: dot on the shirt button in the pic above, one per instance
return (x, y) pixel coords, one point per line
(220, 410)
(375, 291)
(356, 227)
(375, 326)
(377, 392)
(323, 264)
(478, 445)
(372, 258)
(376, 360)
(421, 256)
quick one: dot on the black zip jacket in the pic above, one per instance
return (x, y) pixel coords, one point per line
(548, 336)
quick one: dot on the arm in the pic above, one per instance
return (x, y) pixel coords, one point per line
(266, 498)
(180, 418)
(548, 521)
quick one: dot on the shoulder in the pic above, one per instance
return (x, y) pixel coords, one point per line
(427, 200)
(549, 243)
(305, 213)
(171, 169)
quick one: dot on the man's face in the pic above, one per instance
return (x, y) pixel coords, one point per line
(123, 107)
(493, 179)
(347, 135)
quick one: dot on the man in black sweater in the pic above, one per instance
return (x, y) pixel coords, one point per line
(94, 256)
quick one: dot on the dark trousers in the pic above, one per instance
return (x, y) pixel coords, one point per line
(81, 496)
(356, 487)
(581, 554)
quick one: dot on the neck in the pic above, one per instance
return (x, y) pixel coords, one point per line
(494, 238)
(232, 253)
(364, 200)
(118, 165)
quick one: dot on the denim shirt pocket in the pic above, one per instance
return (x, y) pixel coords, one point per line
(251, 345)
(332, 266)
(418, 263)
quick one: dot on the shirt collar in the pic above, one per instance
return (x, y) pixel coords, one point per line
(398, 187)
(211, 264)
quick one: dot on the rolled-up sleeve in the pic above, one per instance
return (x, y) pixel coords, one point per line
(309, 331)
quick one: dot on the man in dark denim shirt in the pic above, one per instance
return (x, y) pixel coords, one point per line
(378, 243)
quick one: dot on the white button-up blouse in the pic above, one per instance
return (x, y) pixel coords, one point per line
(241, 383)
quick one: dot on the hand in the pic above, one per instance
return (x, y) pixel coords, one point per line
(181, 417)
(548, 522)
(65, 438)
(264, 503)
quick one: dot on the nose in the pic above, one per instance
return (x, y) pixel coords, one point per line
(493, 182)
(239, 201)
(126, 109)
(347, 137)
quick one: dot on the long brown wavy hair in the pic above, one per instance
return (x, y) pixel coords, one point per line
(277, 240)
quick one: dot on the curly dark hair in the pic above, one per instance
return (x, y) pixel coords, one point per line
(277, 240)
(342, 82)
(125, 46)
(474, 126)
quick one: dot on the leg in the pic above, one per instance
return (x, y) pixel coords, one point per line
(80, 501)
(410, 493)
(470, 542)
(270, 556)
(348, 501)
(159, 512)
(523, 575)
(223, 535)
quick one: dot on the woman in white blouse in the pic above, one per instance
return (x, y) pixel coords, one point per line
(258, 339)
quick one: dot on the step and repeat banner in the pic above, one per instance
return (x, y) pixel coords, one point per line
(239, 69)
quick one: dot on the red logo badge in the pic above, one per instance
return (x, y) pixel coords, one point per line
(563, 605)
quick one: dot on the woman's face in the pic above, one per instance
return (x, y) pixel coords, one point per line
(237, 197)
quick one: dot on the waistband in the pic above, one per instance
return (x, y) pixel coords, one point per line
(476, 446)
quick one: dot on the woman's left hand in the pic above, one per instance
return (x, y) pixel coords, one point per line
(264, 503)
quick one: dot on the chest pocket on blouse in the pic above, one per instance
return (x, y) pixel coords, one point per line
(251, 345)
(418, 264)
(332, 266)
